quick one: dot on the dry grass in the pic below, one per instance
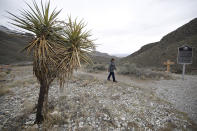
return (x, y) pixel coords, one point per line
(4, 91)
(21, 83)
(3, 75)
(15, 79)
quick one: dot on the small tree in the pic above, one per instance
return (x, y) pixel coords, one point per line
(57, 48)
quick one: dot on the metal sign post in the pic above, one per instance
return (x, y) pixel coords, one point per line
(184, 57)
(183, 72)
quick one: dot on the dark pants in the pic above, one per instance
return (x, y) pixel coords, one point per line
(113, 76)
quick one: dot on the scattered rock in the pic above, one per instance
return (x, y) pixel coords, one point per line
(95, 106)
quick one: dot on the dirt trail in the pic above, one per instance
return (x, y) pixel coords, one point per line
(182, 94)
(120, 78)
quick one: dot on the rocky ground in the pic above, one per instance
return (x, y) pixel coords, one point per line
(181, 93)
(87, 103)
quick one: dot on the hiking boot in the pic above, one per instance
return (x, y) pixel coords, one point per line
(115, 81)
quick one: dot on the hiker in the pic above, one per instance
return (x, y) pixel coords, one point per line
(111, 69)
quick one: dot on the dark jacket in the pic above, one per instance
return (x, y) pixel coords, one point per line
(112, 67)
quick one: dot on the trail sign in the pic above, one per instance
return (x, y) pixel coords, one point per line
(184, 57)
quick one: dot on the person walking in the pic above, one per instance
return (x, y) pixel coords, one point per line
(111, 69)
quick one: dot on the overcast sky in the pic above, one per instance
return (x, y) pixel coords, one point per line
(120, 26)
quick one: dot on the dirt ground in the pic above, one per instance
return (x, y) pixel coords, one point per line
(90, 102)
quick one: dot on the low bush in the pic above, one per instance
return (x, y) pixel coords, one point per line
(4, 91)
(128, 69)
(96, 68)
(142, 73)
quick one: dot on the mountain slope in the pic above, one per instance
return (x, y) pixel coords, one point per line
(10, 46)
(12, 42)
(155, 54)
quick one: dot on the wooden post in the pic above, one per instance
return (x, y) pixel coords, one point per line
(168, 63)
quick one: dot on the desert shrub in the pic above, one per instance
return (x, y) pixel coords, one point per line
(147, 73)
(129, 69)
(100, 67)
(142, 73)
(96, 68)
(3, 75)
(4, 91)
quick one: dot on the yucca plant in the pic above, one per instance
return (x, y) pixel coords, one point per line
(57, 48)
(77, 47)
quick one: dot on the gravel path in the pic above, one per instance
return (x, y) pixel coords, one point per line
(181, 93)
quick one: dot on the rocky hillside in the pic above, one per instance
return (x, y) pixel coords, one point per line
(11, 43)
(155, 54)
(101, 58)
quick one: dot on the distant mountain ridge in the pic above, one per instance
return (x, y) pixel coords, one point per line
(97, 53)
(101, 58)
(154, 54)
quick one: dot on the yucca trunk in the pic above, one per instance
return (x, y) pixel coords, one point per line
(42, 102)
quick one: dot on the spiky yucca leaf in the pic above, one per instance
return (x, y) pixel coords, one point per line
(47, 35)
(77, 44)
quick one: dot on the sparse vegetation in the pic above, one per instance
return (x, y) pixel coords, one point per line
(3, 75)
(129, 69)
(96, 67)
(142, 73)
